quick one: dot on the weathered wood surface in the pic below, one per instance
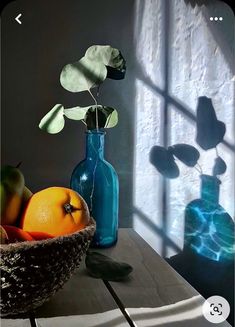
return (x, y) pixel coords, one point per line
(15, 323)
(81, 295)
(153, 282)
(153, 295)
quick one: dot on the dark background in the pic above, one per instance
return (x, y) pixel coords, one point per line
(54, 33)
(229, 2)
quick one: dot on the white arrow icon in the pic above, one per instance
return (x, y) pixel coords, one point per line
(18, 19)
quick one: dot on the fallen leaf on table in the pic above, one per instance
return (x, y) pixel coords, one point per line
(100, 266)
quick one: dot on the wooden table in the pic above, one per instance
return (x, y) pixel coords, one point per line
(153, 295)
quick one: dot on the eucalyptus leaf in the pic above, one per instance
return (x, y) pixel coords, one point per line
(110, 57)
(53, 122)
(112, 119)
(91, 116)
(82, 75)
(101, 266)
(186, 153)
(219, 167)
(76, 113)
(107, 117)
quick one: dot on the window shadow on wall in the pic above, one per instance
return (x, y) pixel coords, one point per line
(168, 100)
(196, 269)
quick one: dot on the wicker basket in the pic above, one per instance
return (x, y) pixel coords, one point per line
(31, 272)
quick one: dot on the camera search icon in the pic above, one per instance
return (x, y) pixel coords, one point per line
(216, 309)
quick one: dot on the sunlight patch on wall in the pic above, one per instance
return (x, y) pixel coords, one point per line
(147, 184)
(197, 67)
(148, 39)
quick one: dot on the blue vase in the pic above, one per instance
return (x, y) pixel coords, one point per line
(209, 229)
(97, 182)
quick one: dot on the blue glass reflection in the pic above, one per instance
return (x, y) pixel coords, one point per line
(209, 230)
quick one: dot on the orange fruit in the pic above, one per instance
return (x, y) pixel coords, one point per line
(56, 211)
(16, 234)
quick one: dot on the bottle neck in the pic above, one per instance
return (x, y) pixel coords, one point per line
(95, 144)
(210, 186)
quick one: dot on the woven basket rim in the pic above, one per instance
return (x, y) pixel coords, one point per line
(28, 244)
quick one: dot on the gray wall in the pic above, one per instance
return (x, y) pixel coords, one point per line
(54, 33)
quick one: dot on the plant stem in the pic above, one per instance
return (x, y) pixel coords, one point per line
(98, 91)
(96, 110)
(216, 150)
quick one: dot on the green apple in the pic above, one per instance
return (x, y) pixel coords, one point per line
(11, 191)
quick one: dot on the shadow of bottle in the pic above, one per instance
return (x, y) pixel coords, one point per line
(207, 259)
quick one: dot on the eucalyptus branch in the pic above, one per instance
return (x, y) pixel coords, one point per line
(96, 110)
(87, 73)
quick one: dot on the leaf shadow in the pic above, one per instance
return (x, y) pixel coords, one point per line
(210, 130)
(164, 162)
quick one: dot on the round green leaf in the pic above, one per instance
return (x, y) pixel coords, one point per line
(53, 121)
(76, 113)
(107, 117)
(106, 54)
(112, 119)
(83, 75)
(110, 57)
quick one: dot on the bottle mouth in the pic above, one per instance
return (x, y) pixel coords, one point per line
(210, 178)
(95, 131)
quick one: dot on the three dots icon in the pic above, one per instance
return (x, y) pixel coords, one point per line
(216, 18)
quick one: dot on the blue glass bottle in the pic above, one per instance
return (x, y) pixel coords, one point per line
(97, 182)
(209, 229)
